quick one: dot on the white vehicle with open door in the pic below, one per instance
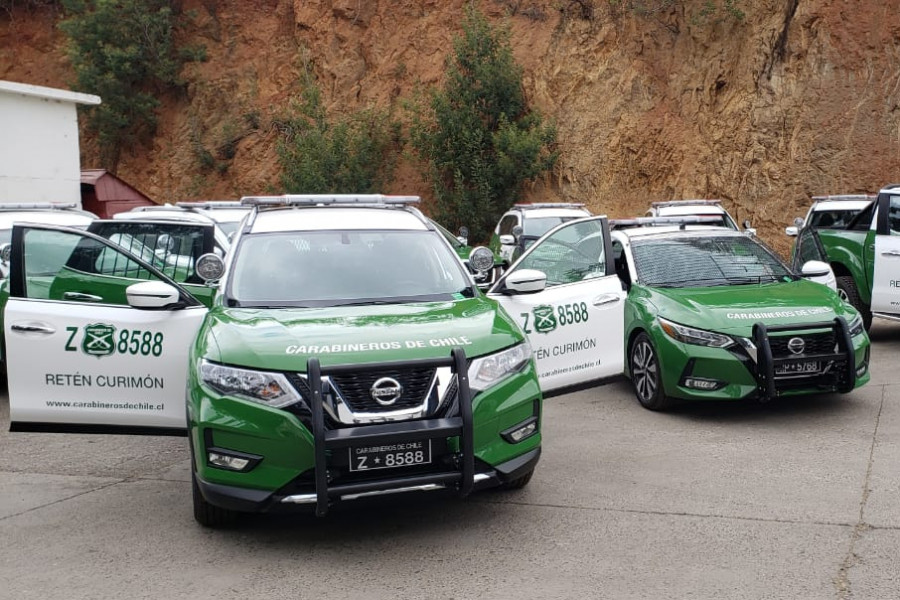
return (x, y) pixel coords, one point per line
(95, 337)
(565, 294)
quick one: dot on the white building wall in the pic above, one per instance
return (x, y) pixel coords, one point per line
(39, 152)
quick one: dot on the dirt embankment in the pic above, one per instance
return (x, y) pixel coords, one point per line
(798, 98)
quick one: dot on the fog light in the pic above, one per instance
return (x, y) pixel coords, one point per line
(700, 383)
(861, 369)
(232, 461)
(522, 431)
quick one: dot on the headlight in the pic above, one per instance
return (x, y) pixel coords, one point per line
(856, 326)
(698, 337)
(270, 389)
(488, 370)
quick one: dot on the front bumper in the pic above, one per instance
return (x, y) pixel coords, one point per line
(301, 458)
(291, 497)
(751, 370)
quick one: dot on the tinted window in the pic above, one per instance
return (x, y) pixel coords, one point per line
(507, 223)
(706, 261)
(807, 248)
(894, 215)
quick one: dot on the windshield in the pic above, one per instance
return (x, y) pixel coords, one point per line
(540, 225)
(334, 268)
(706, 262)
(229, 227)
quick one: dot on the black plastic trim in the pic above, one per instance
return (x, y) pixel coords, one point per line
(90, 428)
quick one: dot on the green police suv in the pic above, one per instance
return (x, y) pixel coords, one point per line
(346, 352)
(713, 314)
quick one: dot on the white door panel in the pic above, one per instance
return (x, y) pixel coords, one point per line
(575, 325)
(886, 279)
(886, 271)
(85, 364)
(575, 330)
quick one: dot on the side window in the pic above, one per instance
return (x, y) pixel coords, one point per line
(621, 262)
(60, 265)
(894, 215)
(46, 252)
(807, 248)
(573, 253)
(507, 223)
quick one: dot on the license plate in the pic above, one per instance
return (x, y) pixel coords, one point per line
(798, 368)
(390, 456)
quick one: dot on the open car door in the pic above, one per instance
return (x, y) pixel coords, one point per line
(96, 337)
(575, 320)
(886, 271)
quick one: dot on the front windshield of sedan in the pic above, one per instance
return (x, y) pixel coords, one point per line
(332, 268)
(706, 262)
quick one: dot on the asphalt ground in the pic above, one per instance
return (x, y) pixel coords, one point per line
(794, 499)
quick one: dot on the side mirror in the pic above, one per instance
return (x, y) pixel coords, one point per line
(210, 267)
(152, 295)
(525, 281)
(463, 236)
(820, 272)
(791, 231)
(507, 240)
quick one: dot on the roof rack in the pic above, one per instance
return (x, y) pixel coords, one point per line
(682, 221)
(157, 207)
(527, 205)
(212, 204)
(327, 199)
(844, 197)
(686, 203)
(38, 205)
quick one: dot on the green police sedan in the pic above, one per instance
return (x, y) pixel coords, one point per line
(712, 314)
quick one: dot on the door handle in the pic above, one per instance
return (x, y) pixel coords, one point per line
(606, 299)
(82, 297)
(33, 328)
(890, 253)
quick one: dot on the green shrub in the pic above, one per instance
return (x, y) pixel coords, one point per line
(354, 154)
(122, 51)
(479, 138)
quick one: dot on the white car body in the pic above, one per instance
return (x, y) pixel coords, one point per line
(535, 220)
(695, 208)
(840, 208)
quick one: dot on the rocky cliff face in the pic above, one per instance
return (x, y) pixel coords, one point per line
(798, 98)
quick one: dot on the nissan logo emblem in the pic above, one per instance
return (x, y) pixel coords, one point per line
(796, 345)
(386, 391)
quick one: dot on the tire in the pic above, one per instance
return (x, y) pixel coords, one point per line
(849, 293)
(208, 514)
(519, 482)
(646, 378)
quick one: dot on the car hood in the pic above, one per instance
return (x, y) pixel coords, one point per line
(283, 339)
(734, 309)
